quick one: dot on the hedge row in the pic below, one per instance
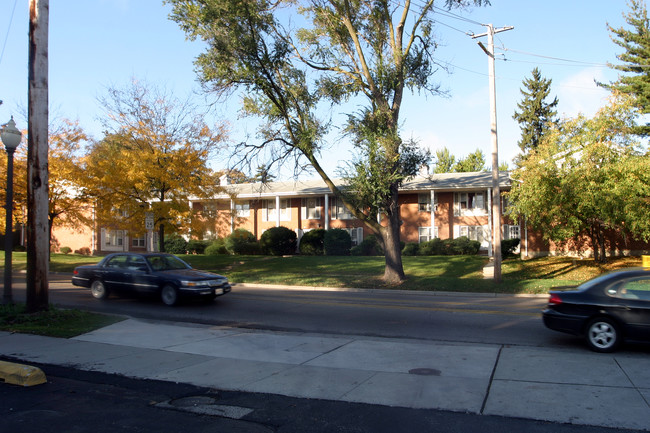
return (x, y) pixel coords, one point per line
(280, 241)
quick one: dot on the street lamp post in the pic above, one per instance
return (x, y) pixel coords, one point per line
(10, 137)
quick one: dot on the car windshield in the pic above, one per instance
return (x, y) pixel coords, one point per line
(166, 263)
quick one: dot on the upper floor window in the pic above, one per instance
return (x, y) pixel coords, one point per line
(243, 208)
(271, 213)
(470, 203)
(311, 208)
(424, 202)
(339, 211)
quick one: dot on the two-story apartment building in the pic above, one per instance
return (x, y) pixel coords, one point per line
(440, 205)
(443, 205)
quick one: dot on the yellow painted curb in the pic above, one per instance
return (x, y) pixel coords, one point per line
(23, 375)
(645, 261)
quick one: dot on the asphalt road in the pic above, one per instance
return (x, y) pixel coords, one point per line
(462, 318)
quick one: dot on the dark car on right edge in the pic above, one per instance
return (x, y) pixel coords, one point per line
(607, 310)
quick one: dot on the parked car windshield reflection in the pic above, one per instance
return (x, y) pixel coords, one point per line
(166, 263)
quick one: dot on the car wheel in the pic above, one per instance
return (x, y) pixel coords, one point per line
(98, 290)
(603, 335)
(169, 295)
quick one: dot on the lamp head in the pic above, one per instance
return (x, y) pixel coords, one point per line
(10, 135)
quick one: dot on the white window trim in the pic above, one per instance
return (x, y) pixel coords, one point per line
(316, 209)
(122, 240)
(473, 211)
(425, 232)
(344, 214)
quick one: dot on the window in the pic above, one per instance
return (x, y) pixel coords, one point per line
(139, 241)
(475, 233)
(114, 238)
(339, 211)
(511, 232)
(426, 234)
(311, 208)
(271, 213)
(470, 203)
(424, 202)
(356, 234)
(638, 288)
(243, 209)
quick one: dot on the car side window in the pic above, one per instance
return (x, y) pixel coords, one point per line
(137, 263)
(638, 288)
(117, 262)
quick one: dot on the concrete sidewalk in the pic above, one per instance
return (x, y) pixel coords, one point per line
(567, 386)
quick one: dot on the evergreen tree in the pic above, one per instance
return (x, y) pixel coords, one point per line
(636, 58)
(444, 161)
(473, 162)
(534, 113)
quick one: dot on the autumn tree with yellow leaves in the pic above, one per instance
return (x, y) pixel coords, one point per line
(154, 158)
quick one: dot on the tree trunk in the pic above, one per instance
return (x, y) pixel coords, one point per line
(394, 271)
(161, 238)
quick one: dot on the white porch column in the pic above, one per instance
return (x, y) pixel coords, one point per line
(327, 212)
(277, 211)
(433, 214)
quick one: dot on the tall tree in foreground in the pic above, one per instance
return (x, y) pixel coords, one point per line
(372, 49)
(535, 115)
(153, 159)
(636, 58)
(587, 176)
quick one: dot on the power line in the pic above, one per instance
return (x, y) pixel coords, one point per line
(11, 19)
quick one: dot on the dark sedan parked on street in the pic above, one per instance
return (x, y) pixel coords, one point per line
(606, 310)
(164, 275)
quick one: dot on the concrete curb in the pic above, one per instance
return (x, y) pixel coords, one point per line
(19, 374)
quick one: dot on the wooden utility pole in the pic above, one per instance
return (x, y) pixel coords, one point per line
(496, 192)
(38, 241)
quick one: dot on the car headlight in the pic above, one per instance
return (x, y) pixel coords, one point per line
(205, 283)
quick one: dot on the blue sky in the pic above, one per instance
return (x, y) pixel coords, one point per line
(102, 43)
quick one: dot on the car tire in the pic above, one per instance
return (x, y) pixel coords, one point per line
(98, 290)
(603, 335)
(169, 295)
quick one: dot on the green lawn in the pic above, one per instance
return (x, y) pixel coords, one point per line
(432, 273)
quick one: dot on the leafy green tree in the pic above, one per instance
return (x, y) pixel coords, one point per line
(636, 58)
(153, 158)
(473, 162)
(587, 176)
(535, 115)
(444, 161)
(374, 50)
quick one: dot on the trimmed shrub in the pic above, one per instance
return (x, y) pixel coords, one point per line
(508, 247)
(279, 241)
(175, 245)
(337, 242)
(217, 247)
(312, 242)
(65, 250)
(84, 251)
(370, 247)
(241, 241)
(434, 247)
(411, 249)
(197, 247)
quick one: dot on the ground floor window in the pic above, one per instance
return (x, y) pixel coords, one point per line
(475, 233)
(112, 240)
(139, 242)
(511, 232)
(356, 234)
(427, 233)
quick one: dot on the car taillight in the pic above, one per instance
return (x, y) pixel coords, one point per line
(75, 272)
(554, 299)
